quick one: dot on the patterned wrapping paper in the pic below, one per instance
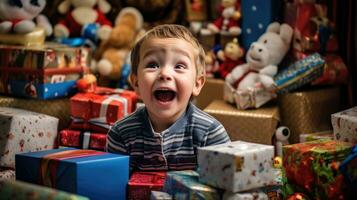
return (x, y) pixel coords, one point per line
(82, 139)
(299, 73)
(265, 193)
(141, 184)
(312, 167)
(307, 137)
(158, 195)
(349, 170)
(24, 131)
(185, 185)
(308, 111)
(256, 125)
(7, 174)
(237, 166)
(20, 190)
(59, 108)
(345, 125)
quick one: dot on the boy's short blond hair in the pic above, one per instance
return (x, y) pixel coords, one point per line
(169, 31)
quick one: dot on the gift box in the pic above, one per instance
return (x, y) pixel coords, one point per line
(212, 90)
(345, 125)
(264, 193)
(312, 167)
(307, 137)
(44, 72)
(24, 131)
(299, 73)
(101, 109)
(20, 190)
(94, 174)
(348, 167)
(7, 174)
(335, 71)
(58, 108)
(185, 185)
(158, 195)
(257, 125)
(257, 15)
(308, 111)
(82, 139)
(236, 166)
(142, 183)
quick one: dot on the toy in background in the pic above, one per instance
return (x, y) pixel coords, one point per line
(85, 19)
(112, 56)
(212, 64)
(196, 11)
(229, 58)
(281, 138)
(87, 84)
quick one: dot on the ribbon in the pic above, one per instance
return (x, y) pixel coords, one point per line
(104, 107)
(49, 164)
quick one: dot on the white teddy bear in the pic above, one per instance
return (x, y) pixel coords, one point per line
(262, 59)
(17, 16)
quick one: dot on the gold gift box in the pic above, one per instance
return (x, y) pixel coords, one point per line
(59, 108)
(255, 125)
(308, 111)
(212, 90)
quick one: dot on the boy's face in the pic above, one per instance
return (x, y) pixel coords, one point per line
(167, 78)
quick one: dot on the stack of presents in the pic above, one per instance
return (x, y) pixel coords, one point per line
(274, 86)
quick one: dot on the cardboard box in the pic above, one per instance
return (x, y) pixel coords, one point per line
(142, 183)
(236, 166)
(256, 125)
(345, 125)
(94, 174)
(24, 131)
(212, 90)
(308, 111)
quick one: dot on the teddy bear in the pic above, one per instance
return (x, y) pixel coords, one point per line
(262, 59)
(229, 17)
(23, 16)
(83, 16)
(114, 53)
(229, 58)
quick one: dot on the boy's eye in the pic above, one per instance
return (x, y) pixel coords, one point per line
(180, 66)
(152, 65)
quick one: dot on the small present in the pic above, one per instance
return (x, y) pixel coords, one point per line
(256, 125)
(307, 137)
(94, 174)
(24, 131)
(158, 195)
(82, 139)
(212, 90)
(142, 183)
(312, 167)
(265, 193)
(7, 174)
(344, 125)
(20, 190)
(185, 185)
(335, 71)
(308, 111)
(236, 166)
(59, 108)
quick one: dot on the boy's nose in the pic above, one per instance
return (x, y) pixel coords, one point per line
(165, 74)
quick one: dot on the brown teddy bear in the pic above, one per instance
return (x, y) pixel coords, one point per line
(113, 53)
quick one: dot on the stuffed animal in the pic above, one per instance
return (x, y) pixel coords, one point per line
(262, 59)
(280, 139)
(228, 21)
(17, 16)
(80, 15)
(229, 58)
(113, 52)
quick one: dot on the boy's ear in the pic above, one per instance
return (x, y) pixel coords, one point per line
(133, 80)
(200, 81)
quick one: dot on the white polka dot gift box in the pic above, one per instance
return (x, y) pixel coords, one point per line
(344, 125)
(236, 166)
(24, 131)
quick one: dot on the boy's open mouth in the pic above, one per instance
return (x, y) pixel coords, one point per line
(164, 95)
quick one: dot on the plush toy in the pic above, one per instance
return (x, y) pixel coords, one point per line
(83, 17)
(228, 21)
(113, 53)
(262, 59)
(229, 58)
(280, 139)
(23, 16)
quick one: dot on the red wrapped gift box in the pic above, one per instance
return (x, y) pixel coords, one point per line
(142, 183)
(83, 140)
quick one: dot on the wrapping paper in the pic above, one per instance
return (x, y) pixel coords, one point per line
(34, 38)
(185, 185)
(345, 125)
(335, 71)
(158, 195)
(142, 183)
(349, 171)
(7, 174)
(59, 108)
(20, 190)
(308, 111)
(299, 73)
(313, 167)
(264, 193)
(24, 131)
(307, 137)
(94, 174)
(83, 140)
(212, 90)
(236, 166)
(257, 125)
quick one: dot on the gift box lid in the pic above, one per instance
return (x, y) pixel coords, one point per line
(350, 114)
(237, 148)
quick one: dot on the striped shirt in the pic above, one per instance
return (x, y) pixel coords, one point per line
(173, 149)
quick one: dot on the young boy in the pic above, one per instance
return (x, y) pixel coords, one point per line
(168, 68)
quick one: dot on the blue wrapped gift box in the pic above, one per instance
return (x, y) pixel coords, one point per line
(100, 175)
